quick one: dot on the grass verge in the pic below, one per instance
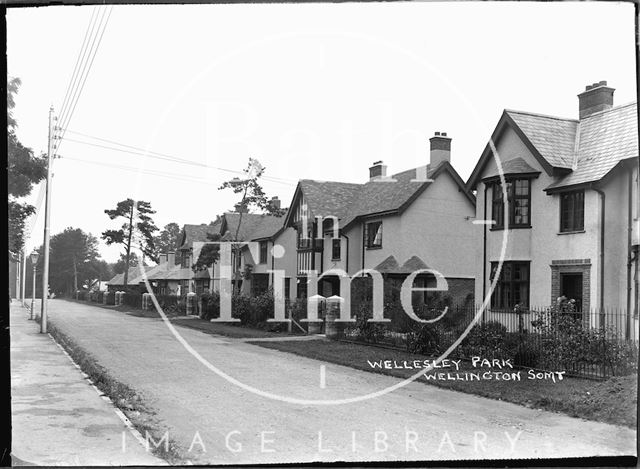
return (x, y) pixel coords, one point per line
(123, 397)
(610, 401)
(228, 330)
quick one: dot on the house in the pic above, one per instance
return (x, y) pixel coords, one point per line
(394, 225)
(569, 222)
(251, 268)
(174, 274)
(135, 279)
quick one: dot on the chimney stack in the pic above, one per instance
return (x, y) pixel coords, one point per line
(163, 258)
(171, 258)
(596, 97)
(377, 171)
(275, 202)
(440, 149)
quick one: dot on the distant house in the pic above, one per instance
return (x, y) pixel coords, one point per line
(419, 218)
(570, 218)
(174, 273)
(135, 279)
(255, 260)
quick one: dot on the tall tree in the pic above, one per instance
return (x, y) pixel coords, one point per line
(168, 239)
(118, 267)
(72, 258)
(24, 170)
(137, 230)
(252, 196)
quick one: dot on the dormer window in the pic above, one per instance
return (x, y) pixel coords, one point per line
(518, 204)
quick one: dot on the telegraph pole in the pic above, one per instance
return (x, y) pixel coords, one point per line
(47, 216)
(23, 276)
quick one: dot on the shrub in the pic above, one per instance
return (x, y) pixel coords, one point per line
(570, 343)
(485, 340)
(210, 302)
(424, 339)
(111, 297)
(132, 299)
(364, 330)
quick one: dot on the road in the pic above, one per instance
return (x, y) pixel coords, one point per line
(215, 421)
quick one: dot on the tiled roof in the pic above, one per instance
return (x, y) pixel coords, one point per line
(513, 166)
(252, 226)
(605, 138)
(349, 201)
(553, 137)
(197, 233)
(388, 266)
(134, 277)
(391, 266)
(325, 198)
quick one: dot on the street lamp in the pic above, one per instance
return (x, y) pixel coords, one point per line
(34, 262)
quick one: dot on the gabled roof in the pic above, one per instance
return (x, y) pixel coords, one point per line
(581, 151)
(391, 266)
(252, 226)
(133, 278)
(350, 202)
(553, 137)
(511, 167)
(605, 139)
(197, 233)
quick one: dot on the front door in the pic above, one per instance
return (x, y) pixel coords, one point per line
(571, 287)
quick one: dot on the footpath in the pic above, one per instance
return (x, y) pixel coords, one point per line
(58, 417)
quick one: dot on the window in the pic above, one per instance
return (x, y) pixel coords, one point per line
(287, 288)
(572, 211)
(306, 243)
(186, 259)
(373, 234)
(512, 286)
(263, 252)
(335, 249)
(302, 287)
(518, 204)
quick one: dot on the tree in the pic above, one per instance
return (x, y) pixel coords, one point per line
(23, 171)
(96, 271)
(252, 196)
(73, 257)
(137, 230)
(118, 267)
(168, 239)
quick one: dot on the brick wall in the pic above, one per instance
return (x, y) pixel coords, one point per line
(582, 266)
(461, 291)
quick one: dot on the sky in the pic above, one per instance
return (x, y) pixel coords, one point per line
(313, 91)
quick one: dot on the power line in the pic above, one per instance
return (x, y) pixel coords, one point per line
(179, 177)
(81, 52)
(163, 156)
(92, 53)
(88, 51)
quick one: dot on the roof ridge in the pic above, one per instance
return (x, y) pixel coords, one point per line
(537, 114)
(611, 109)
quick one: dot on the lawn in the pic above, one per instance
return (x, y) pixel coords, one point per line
(228, 330)
(611, 401)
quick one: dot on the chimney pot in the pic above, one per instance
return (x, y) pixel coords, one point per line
(440, 149)
(596, 97)
(377, 171)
